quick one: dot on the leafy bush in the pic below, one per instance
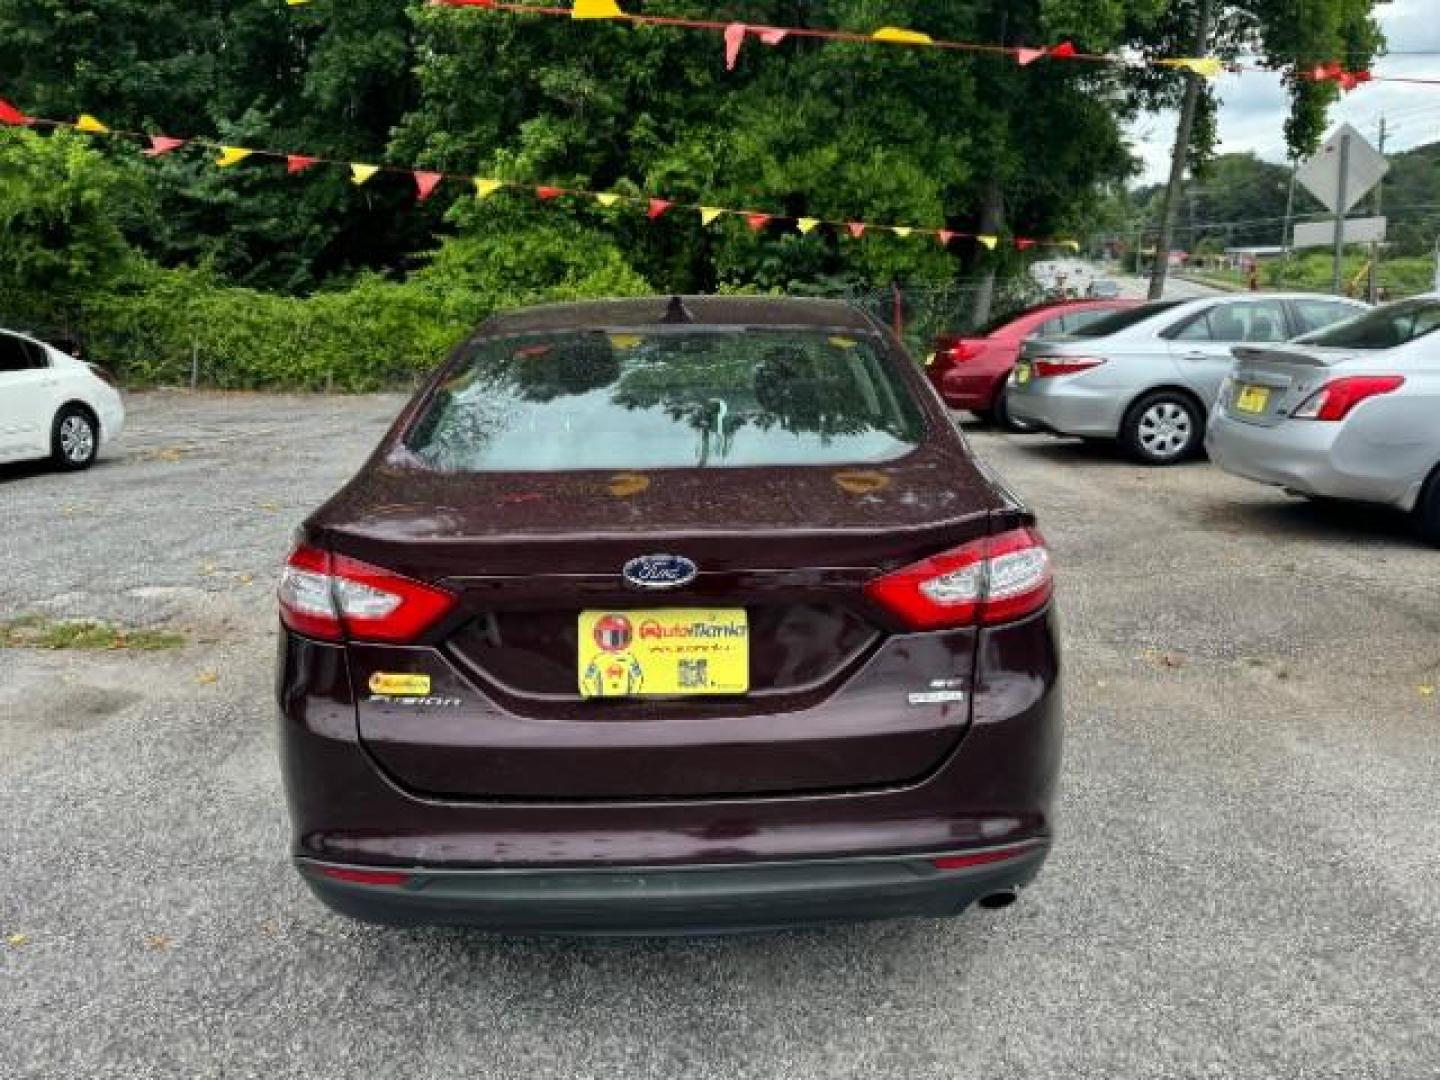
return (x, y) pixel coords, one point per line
(151, 326)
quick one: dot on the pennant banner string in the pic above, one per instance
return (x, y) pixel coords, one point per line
(734, 33)
(425, 182)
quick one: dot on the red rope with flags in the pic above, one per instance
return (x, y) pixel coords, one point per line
(427, 181)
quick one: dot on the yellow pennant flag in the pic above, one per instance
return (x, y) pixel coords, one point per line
(296, 3)
(906, 37)
(988, 241)
(805, 224)
(485, 188)
(607, 199)
(901, 231)
(1073, 245)
(709, 214)
(232, 155)
(1207, 67)
(90, 124)
(360, 173)
(596, 9)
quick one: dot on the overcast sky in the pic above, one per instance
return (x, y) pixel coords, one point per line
(1254, 105)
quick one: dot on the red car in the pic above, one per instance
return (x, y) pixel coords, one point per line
(655, 616)
(971, 372)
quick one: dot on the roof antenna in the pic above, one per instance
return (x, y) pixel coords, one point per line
(677, 312)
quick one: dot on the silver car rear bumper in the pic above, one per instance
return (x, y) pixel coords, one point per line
(1068, 406)
(1308, 457)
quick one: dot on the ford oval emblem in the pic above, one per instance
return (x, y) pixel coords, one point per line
(660, 571)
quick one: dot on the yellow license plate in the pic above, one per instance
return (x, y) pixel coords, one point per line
(1022, 374)
(664, 652)
(1252, 399)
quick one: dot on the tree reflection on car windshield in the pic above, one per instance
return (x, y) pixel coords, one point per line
(668, 399)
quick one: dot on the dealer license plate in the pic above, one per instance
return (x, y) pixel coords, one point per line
(1252, 399)
(664, 652)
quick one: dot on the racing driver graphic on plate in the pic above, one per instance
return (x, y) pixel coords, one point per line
(615, 671)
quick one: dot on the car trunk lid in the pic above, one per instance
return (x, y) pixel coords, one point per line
(526, 554)
(1268, 384)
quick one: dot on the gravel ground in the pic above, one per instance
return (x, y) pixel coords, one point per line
(1247, 882)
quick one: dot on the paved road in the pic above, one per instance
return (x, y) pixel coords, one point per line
(1176, 288)
(1247, 882)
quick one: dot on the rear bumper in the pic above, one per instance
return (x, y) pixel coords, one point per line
(974, 391)
(694, 899)
(1310, 458)
(1066, 406)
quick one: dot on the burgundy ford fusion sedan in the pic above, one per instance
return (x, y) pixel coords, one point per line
(667, 616)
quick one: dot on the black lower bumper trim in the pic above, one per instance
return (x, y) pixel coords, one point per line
(659, 900)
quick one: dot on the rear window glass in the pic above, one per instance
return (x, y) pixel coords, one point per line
(1122, 320)
(668, 399)
(1383, 328)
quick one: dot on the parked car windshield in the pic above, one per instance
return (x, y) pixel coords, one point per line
(668, 399)
(1383, 328)
(1123, 319)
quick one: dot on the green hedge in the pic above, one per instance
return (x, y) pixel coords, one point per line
(374, 335)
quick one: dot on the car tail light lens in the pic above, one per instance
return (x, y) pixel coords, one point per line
(986, 582)
(1048, 367)
(333, 597)
(949, 351)
(365, 877)
(980, 858)
(1335, 400)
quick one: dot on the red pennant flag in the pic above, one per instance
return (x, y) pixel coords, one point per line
(162, 144)
(945, 236)
(463, 3)
(1362, 76)
(298, 163)
(1025, 57)
(657, 207)
(547, 192)
(773, 36)
(1023, 244)
(9, 114)
(734, 38)
(1064, 51)
(857, 228)
(757, 221)
(425, 183)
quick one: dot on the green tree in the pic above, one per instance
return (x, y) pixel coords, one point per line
(64, 211)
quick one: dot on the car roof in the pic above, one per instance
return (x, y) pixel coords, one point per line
(703, 311)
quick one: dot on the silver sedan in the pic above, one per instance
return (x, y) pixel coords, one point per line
(1350, 413)
(1149, 375)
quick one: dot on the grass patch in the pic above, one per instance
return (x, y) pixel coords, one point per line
(36, 632)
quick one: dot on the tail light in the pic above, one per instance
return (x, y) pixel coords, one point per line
(334, 597)
(994, 580)
(956, 350)
(1335, 400)
(1047, 367)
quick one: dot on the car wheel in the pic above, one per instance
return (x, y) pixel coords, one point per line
(1002, 417)
(1163, 428)
(76, 438)
(1427, 512)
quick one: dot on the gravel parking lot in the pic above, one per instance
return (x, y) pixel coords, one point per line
(1247, 881)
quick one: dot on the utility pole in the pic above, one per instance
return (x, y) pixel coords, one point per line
(1374, 289)
(1342, 197)
(1287, 238)
(1189, 105)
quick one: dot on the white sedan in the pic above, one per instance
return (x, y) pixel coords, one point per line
(53, 405)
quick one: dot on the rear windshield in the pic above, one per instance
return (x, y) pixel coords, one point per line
(1383, 328)
(668, 399)
(1123, 319)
